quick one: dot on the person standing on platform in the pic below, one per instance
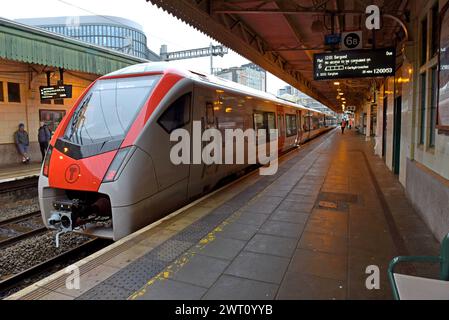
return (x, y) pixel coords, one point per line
(43, 136)
(343, 126)
(22, 142)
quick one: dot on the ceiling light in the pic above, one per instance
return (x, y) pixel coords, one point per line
(336, 83)
(341, 93)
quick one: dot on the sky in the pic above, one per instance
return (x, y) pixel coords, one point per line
(159, 26)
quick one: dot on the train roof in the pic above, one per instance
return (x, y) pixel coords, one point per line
(165, 67)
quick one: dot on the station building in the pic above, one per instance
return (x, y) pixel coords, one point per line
(31, 57)
(407, 114)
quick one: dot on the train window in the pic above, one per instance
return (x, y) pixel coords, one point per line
(291, 126)
(271, 123)
(108, 109)
(210, 119)
(280, 125)
(258, 121)
(177, 114)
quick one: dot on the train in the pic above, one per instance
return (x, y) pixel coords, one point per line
(108, 171)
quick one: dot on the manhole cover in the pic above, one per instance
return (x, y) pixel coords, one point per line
(328, 204)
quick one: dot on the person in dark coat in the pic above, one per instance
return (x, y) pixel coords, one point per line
(43, 136)
(343, 126)
(22, 142)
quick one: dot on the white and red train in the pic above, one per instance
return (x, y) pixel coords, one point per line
(108, 170)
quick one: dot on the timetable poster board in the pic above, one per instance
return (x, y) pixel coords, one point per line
(443, 93)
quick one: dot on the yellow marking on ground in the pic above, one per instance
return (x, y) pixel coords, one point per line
(185, 257)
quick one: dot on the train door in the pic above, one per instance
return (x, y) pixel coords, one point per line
(265, 121)
(281, 126)
(298, 127)
(172, 177)
(203, 176)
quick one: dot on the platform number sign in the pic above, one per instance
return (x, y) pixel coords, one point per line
(351, 40)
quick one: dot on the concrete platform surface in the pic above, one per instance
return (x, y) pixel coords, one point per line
(19, 171)
(308, 232)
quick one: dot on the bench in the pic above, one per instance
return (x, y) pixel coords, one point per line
(406, 287)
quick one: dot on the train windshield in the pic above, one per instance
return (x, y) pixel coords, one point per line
(108, 110)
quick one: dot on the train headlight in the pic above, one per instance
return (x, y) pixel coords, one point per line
(116, 165)
(46, 165)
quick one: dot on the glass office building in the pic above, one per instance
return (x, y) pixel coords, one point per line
(107, 31)
(250, 75)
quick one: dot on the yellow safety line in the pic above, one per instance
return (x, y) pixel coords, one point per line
(171, 269)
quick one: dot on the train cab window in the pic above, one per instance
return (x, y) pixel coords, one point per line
(108, 109)
(177, 114)
(291, 125)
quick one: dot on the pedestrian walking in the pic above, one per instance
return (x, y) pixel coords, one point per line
(43, 136)
(343, 126)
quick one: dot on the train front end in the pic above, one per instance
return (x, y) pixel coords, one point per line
(89, 154)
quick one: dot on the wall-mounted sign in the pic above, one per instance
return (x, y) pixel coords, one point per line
(350, 108)
(55, 92)
(332, 39)
(352, 40)
(354, 64)
(443, 94)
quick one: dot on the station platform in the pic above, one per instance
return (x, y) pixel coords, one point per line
(19, 171)
(308, 232)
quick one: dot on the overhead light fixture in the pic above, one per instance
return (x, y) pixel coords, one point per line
(336, 83)
(341, 93)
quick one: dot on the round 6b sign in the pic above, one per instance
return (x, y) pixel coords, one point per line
(351, 40)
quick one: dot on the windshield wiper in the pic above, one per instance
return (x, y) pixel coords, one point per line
(76, 116)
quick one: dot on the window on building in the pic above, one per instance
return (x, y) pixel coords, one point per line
(45, 101)
(435, 30)
(423, 41)
(13, 92)
(59, 101)
(2, 97)
(177, 115)
(52, 118)
(422, 108)
(433, 107)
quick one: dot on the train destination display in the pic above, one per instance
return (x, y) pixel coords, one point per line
(55, 92)
(354, 64)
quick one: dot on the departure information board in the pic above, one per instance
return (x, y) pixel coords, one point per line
(55, 92)
(354, 64)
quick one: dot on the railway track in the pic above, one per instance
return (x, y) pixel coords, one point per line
(20, 227)
(17, 185)
(31, 275)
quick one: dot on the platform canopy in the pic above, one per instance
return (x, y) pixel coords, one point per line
(282, 36)
(22, 43)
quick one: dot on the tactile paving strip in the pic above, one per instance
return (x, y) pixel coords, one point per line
(120, 285)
